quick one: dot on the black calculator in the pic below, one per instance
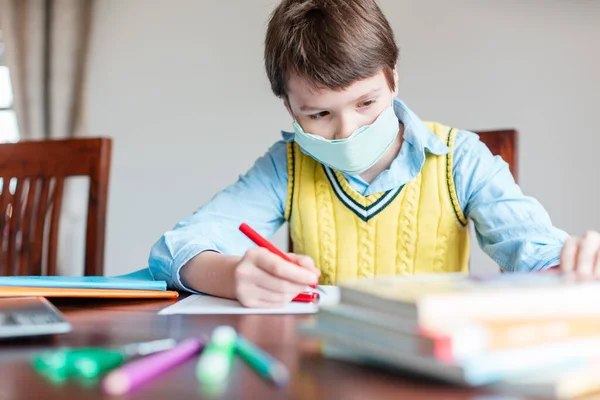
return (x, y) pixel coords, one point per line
(30, 316)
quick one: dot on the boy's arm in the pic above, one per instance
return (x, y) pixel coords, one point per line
(513, 229)
(209, 239)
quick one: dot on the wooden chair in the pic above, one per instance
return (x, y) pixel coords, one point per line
(501, 143)
(32, 180)
(504, 144)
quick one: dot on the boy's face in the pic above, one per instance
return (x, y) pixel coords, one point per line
(337, 114)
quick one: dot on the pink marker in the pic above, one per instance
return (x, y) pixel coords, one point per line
(124, 379)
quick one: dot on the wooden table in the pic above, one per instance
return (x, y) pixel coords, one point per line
(112, 322)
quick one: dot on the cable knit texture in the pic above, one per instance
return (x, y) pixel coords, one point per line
(407, 228)
(414, 229)
(326, 229)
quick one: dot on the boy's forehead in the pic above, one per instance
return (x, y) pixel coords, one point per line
(302, 92)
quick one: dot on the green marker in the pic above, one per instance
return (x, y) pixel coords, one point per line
(91, 362)
(265, 365)
(215, 361)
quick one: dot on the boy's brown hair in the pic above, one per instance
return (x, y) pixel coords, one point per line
(330, 43)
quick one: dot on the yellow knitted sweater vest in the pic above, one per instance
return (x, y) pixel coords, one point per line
(418, 228)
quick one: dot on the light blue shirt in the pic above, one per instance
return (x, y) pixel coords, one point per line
(513, 229)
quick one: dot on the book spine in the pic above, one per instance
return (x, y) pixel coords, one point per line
(535, 333)
(462, 341)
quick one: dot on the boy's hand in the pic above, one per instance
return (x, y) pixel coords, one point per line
(582, 254)
(263, 279)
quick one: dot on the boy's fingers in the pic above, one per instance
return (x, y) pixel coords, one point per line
(305, 261)
(568, 254)
(268, 296)
(597, 264)
(280, 268)
(586, 253)
(258, 302)
(266, 281)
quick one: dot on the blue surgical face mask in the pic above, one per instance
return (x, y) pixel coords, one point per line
(356, 153)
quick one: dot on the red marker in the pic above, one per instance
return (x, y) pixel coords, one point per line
(262, 242)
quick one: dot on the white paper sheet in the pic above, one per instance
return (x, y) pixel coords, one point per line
(204, 304)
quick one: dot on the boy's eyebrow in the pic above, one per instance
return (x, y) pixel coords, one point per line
(367, 95)
(305, 108)
(309, 108)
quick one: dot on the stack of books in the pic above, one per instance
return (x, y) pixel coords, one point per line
(526, 334)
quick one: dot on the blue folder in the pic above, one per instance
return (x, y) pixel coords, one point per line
(139, 280)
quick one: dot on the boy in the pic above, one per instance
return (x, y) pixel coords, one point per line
(367, 187)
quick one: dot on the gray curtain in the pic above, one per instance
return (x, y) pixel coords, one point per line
(46, 47)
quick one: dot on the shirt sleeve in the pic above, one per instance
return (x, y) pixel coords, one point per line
(257, 198)
(513, 229)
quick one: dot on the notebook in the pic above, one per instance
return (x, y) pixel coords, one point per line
(138, 280)
(205, 304)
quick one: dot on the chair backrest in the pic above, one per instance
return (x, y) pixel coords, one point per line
(32, 181)
(501, 143)
(504, 144)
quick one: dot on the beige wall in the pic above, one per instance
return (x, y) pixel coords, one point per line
(180, 86)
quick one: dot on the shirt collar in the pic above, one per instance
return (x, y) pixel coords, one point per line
(416, 132)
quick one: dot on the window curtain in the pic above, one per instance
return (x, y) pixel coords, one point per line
(47, 43)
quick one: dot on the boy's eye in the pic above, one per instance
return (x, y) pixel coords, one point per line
(319, 115)
(366, 103)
